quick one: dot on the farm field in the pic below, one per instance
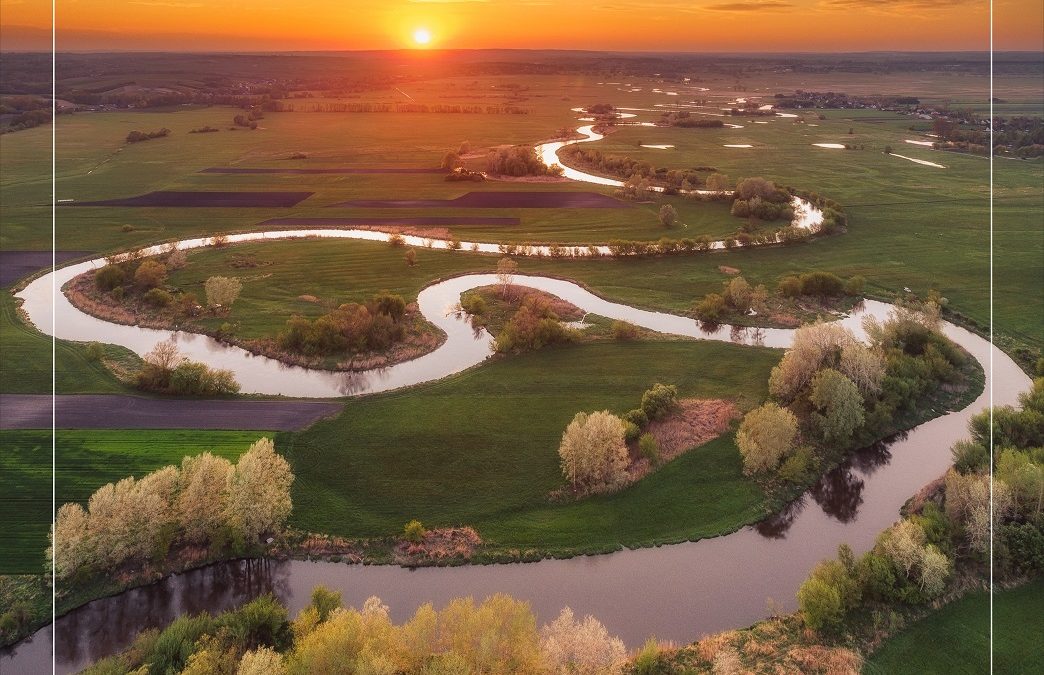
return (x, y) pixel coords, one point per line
(86, 460)
(910, 225)
(955, 639)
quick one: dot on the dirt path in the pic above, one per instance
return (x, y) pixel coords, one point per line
(95, 411)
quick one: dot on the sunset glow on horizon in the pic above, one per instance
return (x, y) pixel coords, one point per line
(627, 25)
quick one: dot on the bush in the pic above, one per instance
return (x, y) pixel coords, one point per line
(649, 448)
(631, 432)
(636, 417)
(623, 330)
(824, 284)
(473, 304)
(789, 286)
(396, 241)
(150, 274)
(711, 308)
(796, 468)
(157, 297)
(109, 277)
(95, 351)
(262, 622)
(414, 532)
(411, 258)
(659, 401)
(192, 378)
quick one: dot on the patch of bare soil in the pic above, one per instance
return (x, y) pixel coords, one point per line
(695, 422)
(725, 269)
(438, 545)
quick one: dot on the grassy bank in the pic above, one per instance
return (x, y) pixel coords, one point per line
(956, 638)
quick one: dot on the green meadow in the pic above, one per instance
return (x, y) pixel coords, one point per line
(956, 638)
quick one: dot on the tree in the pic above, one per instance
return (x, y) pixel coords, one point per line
(840, 403)
(827, 594)
(816, 346)
(935, 569)
(164, 355)
(903, 544)
(450, 161)
(765, 436)
(738, 294)
(593, 453)
(262, 661)
(222, 291)
(202, 501)
(668, 216)
(259, 491)
(411, 257)
(718, 182)
(506, 269)
(109, 277)
(150, 274)
(581, 647)
(865, 367)
(71, 548)
(888, 150)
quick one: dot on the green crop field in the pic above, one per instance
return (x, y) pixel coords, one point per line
(85, 460)
(956, 638)
(480, 449)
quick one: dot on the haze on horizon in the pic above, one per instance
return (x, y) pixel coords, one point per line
(617, 25)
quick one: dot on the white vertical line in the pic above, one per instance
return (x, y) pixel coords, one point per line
(991, 382)
(54, 392)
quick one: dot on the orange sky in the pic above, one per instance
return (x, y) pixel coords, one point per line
(658, 25)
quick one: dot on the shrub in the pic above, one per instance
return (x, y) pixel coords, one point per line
(827, 595)
(636, 417)
(623, 330)
(157, 297)
(969, 456)
(109, 277)
(649, 448)
(660, 400)
(789, 286)
(150, 274)
(95, 351)
(396, 241)
(855, 285)
(631, 432)
(411, 257)
(823, 284)
(711, 308)
(796, 468)
(473, 304)
(414, 531)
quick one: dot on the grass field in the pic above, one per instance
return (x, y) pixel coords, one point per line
(910, 225)
(25, 360)
(955, 639)
(85, 460)
(480, 449)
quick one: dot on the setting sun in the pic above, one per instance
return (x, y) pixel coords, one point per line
(422, 36)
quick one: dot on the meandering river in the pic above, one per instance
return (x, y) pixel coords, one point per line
(676, 592)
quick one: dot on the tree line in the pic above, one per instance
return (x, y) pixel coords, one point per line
(205, 502)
